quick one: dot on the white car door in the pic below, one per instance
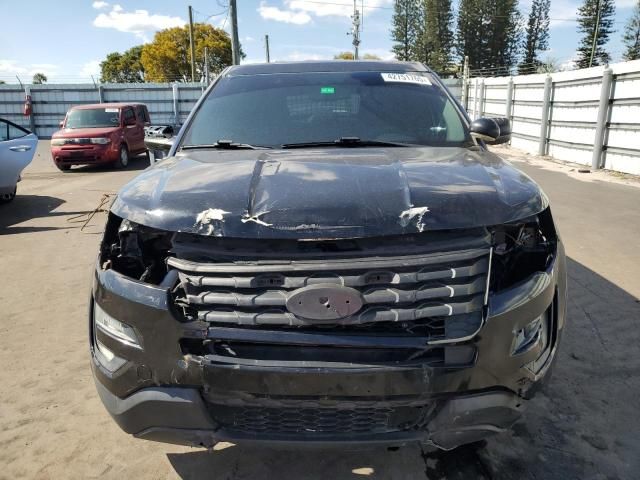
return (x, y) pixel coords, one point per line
(17, 147)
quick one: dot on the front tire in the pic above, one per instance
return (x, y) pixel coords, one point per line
(63, 168)
(123, 157)
(8, 197)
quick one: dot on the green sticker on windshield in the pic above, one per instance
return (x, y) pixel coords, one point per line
(327, 90)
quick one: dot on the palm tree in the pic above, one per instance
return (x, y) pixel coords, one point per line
(39, 78)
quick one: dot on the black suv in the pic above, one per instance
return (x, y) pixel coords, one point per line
(328, 254)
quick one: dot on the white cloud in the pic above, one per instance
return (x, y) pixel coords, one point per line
(569, 64)
(563, 12)
(300, 11)
(248, 39)
(286, 16)
(329, 53)
(9, 69)
(92, 67)
(301, 56)
(138, 22)
(320, 9)
(99, 5)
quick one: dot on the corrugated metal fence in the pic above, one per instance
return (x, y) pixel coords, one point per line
(167, 103)
(589, 116)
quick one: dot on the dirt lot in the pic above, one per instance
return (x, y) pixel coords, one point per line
(52, 425)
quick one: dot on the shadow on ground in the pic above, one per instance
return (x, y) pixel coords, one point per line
(28, 207)
(584, 425)
(336, 464)
(137, 163)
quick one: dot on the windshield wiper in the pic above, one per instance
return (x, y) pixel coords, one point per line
(223, 145)
(347, 142)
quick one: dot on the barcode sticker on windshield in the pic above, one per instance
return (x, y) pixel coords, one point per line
(111, 110)
(405, 78)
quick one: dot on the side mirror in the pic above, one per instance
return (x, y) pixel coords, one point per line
(130, 121)
(493, 131)
(61, 124)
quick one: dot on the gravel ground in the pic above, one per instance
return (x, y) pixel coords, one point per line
(52, 424)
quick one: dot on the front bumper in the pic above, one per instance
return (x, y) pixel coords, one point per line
(180, 416)
(162, 394)
(85, 154)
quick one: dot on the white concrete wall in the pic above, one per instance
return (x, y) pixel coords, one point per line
(573, 113)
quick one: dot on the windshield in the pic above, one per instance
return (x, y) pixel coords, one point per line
(93, 118)
(284, 109)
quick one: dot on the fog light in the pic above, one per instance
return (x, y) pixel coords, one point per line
(532, 333)
(107, 358)
(114, 328)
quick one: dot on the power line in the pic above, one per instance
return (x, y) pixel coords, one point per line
(207, 17)
(379, 7)
(345, 4)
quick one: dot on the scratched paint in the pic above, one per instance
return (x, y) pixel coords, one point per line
(206, 221)
(417, 213)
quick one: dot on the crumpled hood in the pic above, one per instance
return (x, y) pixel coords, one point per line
(328, 193)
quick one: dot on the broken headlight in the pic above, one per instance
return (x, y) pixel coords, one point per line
(134, 250)
(521, 249)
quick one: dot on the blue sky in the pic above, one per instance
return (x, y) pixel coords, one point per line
(66, 40)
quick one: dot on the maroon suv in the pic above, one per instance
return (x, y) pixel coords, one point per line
(104, 133)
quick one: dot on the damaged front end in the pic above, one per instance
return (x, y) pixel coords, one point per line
(434, 337)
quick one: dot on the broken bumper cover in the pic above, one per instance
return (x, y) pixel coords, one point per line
(161, 394)
(180, 416)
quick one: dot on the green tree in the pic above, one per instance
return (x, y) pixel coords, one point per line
(595, 22)
(343, 56)
(349, 56)
(505, 34)
(489, 33)
(537, 36)
(406, 27)
(168, 57)
(39, 78)
(123, 67)
(631, 38)
(435, 36)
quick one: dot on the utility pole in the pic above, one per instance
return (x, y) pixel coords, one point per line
(206, 65)
(266, 47)
(235, 43)
(465, 83)
(355, 30)
(193, 46)
(595, 35)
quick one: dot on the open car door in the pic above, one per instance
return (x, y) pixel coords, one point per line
(17, 147)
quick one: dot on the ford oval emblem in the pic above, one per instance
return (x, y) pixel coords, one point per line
(324, 302)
